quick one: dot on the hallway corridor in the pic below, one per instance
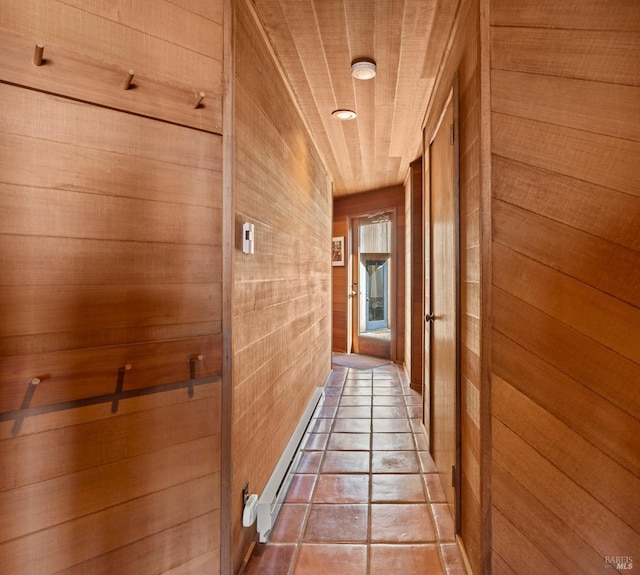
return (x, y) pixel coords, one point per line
(365, 499)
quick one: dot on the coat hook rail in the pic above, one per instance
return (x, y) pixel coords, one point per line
(23, 413)
(126, 83)
(38, 54)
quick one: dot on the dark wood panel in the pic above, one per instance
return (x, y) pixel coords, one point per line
(592, 469)
(601, 160)
(582, 513)
(599, 211)
(608, 267)
(568, 53)
(416, 191)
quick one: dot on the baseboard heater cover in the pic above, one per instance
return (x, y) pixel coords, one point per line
(275, 491)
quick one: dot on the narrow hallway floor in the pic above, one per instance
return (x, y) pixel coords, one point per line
(366, 498)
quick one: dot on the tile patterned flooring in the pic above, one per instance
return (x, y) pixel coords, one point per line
(365, 499)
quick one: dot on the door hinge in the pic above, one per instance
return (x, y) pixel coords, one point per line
(452, 135)
(453, 476)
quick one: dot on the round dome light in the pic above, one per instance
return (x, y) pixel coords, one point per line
(363, 70)
(344, 114)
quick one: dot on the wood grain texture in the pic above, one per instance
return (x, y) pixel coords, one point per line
(582, 512)
(444, 305)
(463, 57)
(174, 53)
(417, 275)
(572, 14)
(111, 255)
(606, 320)
(341, 336)
(281, 294)
(565, 260)
(548, 530)
(576, 54)
(316, 43)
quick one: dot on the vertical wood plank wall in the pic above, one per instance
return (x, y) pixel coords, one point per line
(359, 204)
(565, 98)
(340, 336)
(415, 342)
(463, 57)
(110, 254)
(282, 293)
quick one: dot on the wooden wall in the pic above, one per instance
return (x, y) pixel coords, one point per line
(282, 297)
(340, 288)
(355, 205)
(565, 98)
(462, 57)
(414, 345)
(110, 255)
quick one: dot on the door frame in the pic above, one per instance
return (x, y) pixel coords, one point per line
(353, 275)
(453, 98)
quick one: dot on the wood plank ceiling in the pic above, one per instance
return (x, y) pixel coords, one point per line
(316, 42)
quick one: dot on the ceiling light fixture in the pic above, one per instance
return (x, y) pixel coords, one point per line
(344, 114)
(363, 69)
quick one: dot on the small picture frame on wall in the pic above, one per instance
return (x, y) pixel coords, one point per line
(337, 251)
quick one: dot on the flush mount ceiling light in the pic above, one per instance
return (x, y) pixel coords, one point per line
(344, 114)
(363, 69)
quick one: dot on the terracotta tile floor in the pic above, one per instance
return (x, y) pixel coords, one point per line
(365, 499)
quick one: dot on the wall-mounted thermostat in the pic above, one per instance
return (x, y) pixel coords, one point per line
(247, 238)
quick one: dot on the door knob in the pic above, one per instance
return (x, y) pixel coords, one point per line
(429, 317)
(353, 293)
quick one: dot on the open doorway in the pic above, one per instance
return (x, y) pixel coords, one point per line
(372, 284)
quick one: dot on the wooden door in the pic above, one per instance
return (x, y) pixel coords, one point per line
(442, 323)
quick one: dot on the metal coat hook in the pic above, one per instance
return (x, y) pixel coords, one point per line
(192, 370)
(38, 54)
(26, 402)
(199, 97)
(119, 386)
(25, 410)
(126, 84)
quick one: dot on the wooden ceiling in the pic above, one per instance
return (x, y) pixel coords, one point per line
(316, 42)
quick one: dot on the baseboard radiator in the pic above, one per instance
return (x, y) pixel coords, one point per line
(275, 491)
